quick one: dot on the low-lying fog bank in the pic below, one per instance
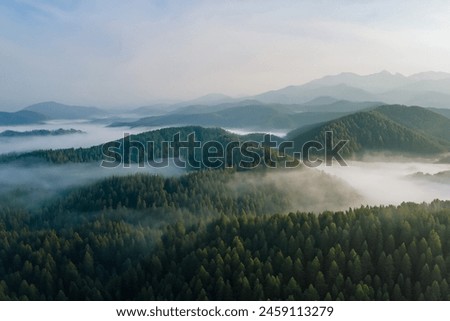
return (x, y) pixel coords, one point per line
(305, 189)
(392, 182)
(94, 134)
(32, 183)
(243, 131)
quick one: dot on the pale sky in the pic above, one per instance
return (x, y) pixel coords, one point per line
(130, 53)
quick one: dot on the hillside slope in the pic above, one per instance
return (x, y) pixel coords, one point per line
(22, 117)
(251, 117)
(55, 110)
(372, 131)
(418, 118)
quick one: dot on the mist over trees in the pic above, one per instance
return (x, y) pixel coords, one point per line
(224, 232)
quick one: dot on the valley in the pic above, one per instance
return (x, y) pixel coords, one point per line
(241, 227)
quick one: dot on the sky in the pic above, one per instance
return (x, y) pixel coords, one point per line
(114, 53)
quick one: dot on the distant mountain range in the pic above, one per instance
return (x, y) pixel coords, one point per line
(429, 89)
(391, 128)
(335, 95)
(44, 111)
(22, 117)
(53, 110)
(253, 115)
(342, 93)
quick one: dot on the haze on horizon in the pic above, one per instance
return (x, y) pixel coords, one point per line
(114, 53)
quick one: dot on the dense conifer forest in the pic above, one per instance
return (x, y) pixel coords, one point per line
(144, 237)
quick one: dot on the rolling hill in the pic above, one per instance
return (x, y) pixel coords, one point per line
(340, 106)
(397, 129)
(305, 93)
(256, 117)
(54, 110)
(374, 131)
(130, 150)
(205, 109)
(441, 111)
(418, 118)
(431, 89)
(22, 117)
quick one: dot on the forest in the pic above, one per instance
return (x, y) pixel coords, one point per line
(146, 147)
(227, 232)
(187, 151)
(410, 131)
(145, 237)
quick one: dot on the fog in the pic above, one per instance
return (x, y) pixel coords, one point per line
(305, 189)
(392, 182)
(95, 134)
(246, 131)
(358, 184)
(323, 188)
(31, 184)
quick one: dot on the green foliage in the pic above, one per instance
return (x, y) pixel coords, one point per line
(370, 253)
(398, 129)
(146, 147)
(372, 131)
(339, 264)
(202, 194)
(417, 118)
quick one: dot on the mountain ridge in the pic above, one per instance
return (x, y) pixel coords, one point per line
(21, 117)
(380, 129)
(431, 89)
(55, 110)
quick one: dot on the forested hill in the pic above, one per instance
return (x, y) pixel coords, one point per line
(398, 129)
(374, 131)
(420, 119)
(379, 253)
(205, 194)
(151, 152)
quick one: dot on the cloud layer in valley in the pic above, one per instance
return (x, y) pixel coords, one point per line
(94, 134)
(391, 182)
(30, 184)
